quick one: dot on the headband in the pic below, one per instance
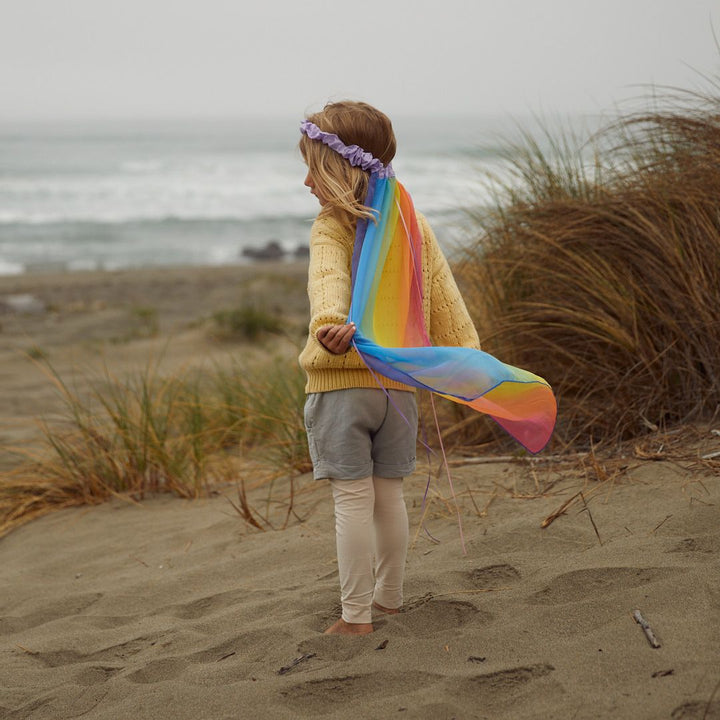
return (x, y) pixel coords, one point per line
(354, 154)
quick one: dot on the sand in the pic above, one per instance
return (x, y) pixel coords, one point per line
(178, 609)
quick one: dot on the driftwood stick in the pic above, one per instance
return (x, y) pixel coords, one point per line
(710, 455)
(482, 460)
(649, 634)
(512, 458)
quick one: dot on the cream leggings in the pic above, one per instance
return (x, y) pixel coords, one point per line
(371, 527)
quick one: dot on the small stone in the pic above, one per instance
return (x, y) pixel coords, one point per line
(23, 304)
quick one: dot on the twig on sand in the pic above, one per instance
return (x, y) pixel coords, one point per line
(560, 511)
(660, 524)
(472, 500)
(649, 634)
(483, 512)
(586, 508)
(243, 507)
(24, 649)
(296, 661)
(478, 511)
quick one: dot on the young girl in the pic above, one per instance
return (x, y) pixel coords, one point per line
(362, 436)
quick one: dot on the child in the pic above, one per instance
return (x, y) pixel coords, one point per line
(362, 437)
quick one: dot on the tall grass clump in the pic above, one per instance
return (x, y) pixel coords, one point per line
(141, 435)
(245, 323)
(601, 271)
(147, 434)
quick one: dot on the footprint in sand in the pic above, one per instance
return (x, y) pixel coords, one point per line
(333, 648)
(216, 653)
(428, 616)
(493, 576)
(114, 653)
(159, 670)
(580, 585)
(501, 687)
(61, 608)
(708, 544)
(250, 646)
(96, 675)
(329, 694)
(697, 710)
(204, 606)
(109, 622)
(25, 711)
(422, 617)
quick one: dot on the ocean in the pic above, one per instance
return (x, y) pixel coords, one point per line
(123, 194)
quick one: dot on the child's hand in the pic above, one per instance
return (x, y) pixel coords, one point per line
(336, 338)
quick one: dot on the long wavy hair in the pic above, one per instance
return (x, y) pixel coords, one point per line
(343, 186)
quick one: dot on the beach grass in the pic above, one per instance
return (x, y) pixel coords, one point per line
(244, 323)
(597, 268)
(146, 433)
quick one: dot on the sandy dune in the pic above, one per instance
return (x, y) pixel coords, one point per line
(177, 609)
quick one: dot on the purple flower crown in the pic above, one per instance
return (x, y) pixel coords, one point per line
(354, 154)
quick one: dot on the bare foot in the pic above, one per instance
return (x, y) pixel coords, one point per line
(387, 611)
(340, 627)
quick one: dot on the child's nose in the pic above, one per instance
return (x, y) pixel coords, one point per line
(308, 181)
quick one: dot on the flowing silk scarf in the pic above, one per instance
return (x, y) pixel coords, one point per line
(387, 309)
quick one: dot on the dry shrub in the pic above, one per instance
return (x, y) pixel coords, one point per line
(606, 281)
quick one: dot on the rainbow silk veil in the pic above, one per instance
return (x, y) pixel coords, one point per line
(387, 309)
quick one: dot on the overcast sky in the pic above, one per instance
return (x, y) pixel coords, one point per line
(159, 58)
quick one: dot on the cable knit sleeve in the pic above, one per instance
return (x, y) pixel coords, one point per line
(329, 280)
(450, 322)
(329, 273)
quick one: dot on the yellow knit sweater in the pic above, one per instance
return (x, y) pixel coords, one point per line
(331, 246)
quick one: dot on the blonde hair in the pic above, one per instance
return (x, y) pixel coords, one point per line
(343, 186)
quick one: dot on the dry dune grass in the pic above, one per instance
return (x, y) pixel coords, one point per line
(604, 278)
(145, 433)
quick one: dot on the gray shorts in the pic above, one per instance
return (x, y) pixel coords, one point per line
(357, 433)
